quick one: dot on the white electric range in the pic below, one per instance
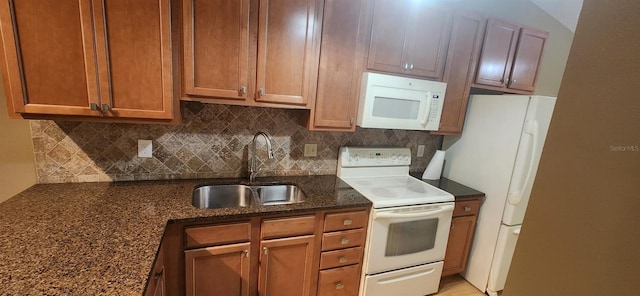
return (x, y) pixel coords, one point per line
(409, 224)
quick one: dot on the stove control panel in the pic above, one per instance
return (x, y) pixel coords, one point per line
(373, 156)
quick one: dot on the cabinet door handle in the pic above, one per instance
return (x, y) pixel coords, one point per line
(467, 209)
(339, 286)
(344, 241)
(347, 222)
(261, 92)
(512, 82)
(158, 274)
(265, 250)
(106, 108)
(246, 253)
(94, 107)
(342, 259)
(411, 67)
(351, 121)
(243, 90)
(405, 66)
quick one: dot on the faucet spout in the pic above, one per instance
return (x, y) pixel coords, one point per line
(252, 164)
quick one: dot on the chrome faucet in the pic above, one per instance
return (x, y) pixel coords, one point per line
(252, 164)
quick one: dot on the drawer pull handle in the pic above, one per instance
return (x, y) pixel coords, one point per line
(342, 259)
(344, 241)
(339, 286)
(467, 209)
(347, 222)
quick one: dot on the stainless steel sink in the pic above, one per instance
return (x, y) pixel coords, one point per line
(222, 196)
(279, 194)
(233, 196)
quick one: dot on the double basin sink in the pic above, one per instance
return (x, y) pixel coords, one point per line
(233, 196)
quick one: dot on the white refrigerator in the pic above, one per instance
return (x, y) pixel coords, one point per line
(498, 153)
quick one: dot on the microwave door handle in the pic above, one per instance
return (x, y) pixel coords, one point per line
(425, 116)
(413, 214)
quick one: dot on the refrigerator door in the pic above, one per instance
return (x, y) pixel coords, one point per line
(507, 240)
(532, 140)
(483, 158)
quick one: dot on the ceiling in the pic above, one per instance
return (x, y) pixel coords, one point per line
(565, 11)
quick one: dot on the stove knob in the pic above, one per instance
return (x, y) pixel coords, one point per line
(405, 158)
(394, 157)
(356, 157)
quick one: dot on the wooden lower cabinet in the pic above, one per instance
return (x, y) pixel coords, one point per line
(313, 254)
(286, 266)
(220, 271)
(156, 285)
(342, 281)
(463, 226)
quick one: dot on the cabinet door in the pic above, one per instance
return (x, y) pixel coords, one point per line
(527, 59)
(287, 52)
(48, 61)
(285, 266)
(216, 48)
(497, 53)
(219, 271)
(460, 236)
(428, 39)
(156, 286)
(340, 65)
(134, 58)
(388, 36)
(464, 51)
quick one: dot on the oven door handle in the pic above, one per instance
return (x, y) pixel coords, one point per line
(438, 210)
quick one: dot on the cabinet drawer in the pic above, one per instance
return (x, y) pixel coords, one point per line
(339, 281)
(339, 258)
(343, 221)
(217, 234)
(342, 239)
(284, 227)
(466, 208)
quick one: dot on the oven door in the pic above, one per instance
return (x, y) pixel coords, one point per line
(408, 236)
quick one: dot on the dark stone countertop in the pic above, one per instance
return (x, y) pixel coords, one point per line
(456, 189)
(102, 238)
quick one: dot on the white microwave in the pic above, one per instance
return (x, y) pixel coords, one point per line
(394, 102)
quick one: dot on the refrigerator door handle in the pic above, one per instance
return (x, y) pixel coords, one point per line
(531, 127)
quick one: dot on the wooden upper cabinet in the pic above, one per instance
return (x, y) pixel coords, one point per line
(526, 64)
(497, 53)
(510, 57)
(90, 58)
(48, 61)
(216, 48)
(133, 41)
(251, 52)
(341, 64)
(287, 52)
(409, 37)
(464, 50)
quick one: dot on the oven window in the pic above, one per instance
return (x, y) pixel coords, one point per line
(395, 108)
(411, 237)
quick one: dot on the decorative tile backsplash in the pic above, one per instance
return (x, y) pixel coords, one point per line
(212, 142)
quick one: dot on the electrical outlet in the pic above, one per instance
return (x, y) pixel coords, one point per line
(145, 148)
(310, 150)
(420, 150)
